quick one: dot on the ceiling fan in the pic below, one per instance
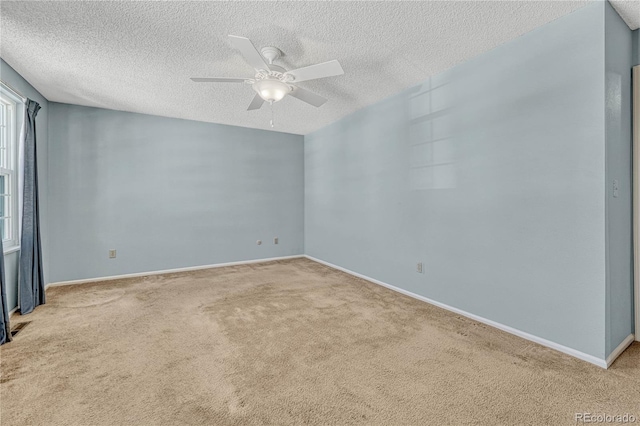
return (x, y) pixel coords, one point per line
(272, 82)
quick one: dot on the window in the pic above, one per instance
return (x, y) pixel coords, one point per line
(9, 133)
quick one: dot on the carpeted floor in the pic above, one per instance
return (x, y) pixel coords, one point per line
(287, 342)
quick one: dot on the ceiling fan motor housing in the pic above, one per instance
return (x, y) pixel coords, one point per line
(271, 53)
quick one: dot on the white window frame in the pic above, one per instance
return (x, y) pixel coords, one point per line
(12, 132)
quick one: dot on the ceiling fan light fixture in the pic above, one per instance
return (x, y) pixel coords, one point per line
(272, 82)
(271, 90)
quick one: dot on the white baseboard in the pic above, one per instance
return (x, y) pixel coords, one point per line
(169, 271)
(621, 348)
(13, 311)
(544, 342)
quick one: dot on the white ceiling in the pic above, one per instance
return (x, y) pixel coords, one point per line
(138, 56)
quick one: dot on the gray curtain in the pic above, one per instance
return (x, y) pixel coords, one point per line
(31, 280)
(5, 329)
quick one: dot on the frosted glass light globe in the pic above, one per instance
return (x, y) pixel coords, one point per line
(271, 90)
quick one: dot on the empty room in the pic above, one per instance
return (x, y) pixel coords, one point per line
(322, 213)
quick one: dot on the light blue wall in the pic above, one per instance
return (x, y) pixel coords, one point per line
(618, 63)
(492, 174)
(12, 78)
(168, 193)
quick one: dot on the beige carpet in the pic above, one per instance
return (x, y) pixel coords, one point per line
(288, 342)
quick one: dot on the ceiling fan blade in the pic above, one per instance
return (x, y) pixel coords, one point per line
(219, 80)
(256, 103)
(325, 69)
(249, 51)
(307, 96)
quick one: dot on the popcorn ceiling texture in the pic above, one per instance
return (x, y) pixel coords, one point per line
(139, 56)
(629, 10)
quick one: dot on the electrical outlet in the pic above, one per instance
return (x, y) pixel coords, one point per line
(259, 242)
(112, 254)
(275, 240)
(419, 267)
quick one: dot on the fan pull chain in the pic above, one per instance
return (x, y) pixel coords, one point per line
(271, 103)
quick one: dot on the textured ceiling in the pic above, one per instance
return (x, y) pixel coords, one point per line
(629, 10)
(138, 56)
